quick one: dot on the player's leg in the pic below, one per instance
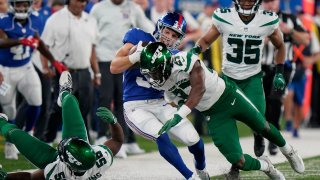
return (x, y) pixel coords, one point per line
(298, 105)
(37, 152)
(186, 133)
(30, 87)
(142, 121)
(73, 123)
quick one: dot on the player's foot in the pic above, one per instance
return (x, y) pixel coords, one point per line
(233, 174)
(65, 84)
(288, 126)
(259, 145)
(122, 152)
(295, 160)
(194, 177)
(295, 133)
(10, 151)
(203, 174)
(133, 148)
(271, 171)
(273, 149)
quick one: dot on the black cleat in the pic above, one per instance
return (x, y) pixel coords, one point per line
(273, 149)
(259, 145)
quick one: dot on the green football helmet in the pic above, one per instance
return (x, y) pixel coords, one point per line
(155, 63)
(77, 154)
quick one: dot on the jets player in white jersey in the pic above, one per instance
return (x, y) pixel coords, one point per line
(244, 29)
(145, 109)
(75, 157)
(190, 84)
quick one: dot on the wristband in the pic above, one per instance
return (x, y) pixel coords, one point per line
(97, 75)
(184, 111)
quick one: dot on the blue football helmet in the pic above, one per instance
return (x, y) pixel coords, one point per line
(19, 11)
(173, 21)
(247, 12)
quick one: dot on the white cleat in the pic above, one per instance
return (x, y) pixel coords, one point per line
(133, 148)
(272, 172)
(203, 174)
(65, 83)
(10, 151)
(194, 177)
(122, 152)
(295, 161)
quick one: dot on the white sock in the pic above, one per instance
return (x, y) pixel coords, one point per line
(286, 149)
(264, 165)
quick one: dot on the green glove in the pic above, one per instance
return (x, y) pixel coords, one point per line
(169, 124)
(195, 50)
(3, 174)
(106, 115)
(278, 82)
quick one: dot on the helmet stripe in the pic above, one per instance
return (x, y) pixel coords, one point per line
(180, 21)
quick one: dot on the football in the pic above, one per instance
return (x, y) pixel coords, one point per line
(134, 48)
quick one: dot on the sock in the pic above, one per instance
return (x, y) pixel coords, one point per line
(198, 152)
(168, 151)
(264, 165)
(251, 163)
(33, 113)
(274, 136)
(286, 149)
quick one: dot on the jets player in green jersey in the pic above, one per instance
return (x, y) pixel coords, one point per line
(190, 84)
(75, 157)
(244, 29)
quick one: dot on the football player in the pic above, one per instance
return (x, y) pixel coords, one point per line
(19, 31)
(145, 108)
(75, 157)
(190, 84)
(243, 30)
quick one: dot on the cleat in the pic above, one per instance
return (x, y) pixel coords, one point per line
(122, 152)
(259, 145)
(65, 83)
(272, 172)
(295, 161)
(273, 149)
(234, 174)
(133, 148)
(203, 174)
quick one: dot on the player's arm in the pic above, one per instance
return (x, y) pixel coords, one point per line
(206, 40)
(121, 61)
(95, 67)
(7, 43)
(277, 40)
(37, 175)
(117, 136)
(298, 33)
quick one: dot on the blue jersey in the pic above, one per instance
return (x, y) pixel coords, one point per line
(18, 55)
(135, 85)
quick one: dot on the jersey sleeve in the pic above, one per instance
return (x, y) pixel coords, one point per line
(184, 61)
(135, 35)
(216, 16)
(269, 20)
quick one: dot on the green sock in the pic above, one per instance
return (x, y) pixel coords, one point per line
(274, 136)
(251, 163)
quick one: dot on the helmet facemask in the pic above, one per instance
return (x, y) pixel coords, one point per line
(158, 76)
(170, 42)
(247, 12)
(21, 8)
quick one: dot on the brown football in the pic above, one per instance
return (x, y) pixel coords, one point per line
(134, 48)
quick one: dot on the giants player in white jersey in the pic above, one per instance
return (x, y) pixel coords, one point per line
(244, 29)
(75, 157)
(190, 84)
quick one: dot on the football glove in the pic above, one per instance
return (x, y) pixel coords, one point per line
(171, 123)
(106, 115)
(195, 50)
(135, 57)
(59, 66)
(32, 42)
(278, 80)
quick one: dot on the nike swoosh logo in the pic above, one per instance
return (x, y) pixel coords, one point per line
(233, 101)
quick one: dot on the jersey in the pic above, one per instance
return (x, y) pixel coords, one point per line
(135, 85)
(58, 170)
(177, 87)
(18, 55)
(243, 43)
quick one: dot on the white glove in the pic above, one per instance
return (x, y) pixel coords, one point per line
(135, 57)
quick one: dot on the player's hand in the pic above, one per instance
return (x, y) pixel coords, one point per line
(195, 50)
(135, 57)
(106, 115)
(278, 82)
(3, 174)
(169, 124)
(59, 66)
(31, 42)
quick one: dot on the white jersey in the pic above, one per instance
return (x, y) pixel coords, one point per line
(177, 87)
(243, 43)
(58, 170)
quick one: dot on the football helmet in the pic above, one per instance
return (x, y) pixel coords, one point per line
(173, 21)
(76, 154)
(155, 63)
(247, 11)
(19, 10)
